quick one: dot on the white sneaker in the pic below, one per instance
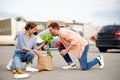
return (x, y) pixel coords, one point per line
(71, 66)
(18, 76)
(30, 69)
(9, 65)
(101, 61)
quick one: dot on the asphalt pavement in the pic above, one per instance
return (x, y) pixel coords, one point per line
(111, 70)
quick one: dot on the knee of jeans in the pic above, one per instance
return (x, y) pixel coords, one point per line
(84, 68)
(31, 53)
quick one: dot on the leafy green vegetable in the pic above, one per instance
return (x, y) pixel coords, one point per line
(47, 38)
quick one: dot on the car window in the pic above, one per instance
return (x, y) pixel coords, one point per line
(107, 29)
(72, 29)
(43, 32)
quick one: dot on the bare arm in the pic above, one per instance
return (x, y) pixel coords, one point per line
(36, 50)
(40, 46)
(63, 52)
(26, 49)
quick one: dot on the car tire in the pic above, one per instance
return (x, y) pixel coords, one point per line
(102, 49)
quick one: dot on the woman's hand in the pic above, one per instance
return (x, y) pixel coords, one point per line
(36, 52)
(40, 46)
(26, 49)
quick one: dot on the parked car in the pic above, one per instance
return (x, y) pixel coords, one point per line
(108, 38)
(39, 40)
(55, 39)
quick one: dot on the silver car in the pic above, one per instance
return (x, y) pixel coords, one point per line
(55, 39)
(46, 31)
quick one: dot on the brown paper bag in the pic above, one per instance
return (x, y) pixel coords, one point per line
(45, 62)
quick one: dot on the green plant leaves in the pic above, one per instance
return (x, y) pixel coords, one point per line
(47, 38)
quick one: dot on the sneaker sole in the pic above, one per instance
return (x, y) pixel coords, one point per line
(9, 65)
(102, 62)
(69, 68)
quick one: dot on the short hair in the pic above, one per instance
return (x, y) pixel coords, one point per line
(54, 25)
(30, 25)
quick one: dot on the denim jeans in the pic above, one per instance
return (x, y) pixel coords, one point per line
(20, 57)
(83, 60)
(66, 57)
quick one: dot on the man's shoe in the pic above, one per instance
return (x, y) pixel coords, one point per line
(9, 65)
(30, 69)
(101, 61)
(18, 76)
(71, 66)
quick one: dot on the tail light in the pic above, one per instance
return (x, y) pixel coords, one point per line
(94, 37)
(117, 34)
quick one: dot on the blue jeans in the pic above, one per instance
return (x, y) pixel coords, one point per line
(83, 60)
(66, 57)
(20, 57)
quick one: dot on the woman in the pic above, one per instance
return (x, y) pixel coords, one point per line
(26, 49)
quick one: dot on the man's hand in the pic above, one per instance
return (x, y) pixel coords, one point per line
(63, 52)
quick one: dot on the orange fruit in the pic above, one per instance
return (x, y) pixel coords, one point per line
(14, 71)
(20, 71)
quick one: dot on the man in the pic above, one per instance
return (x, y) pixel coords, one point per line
(25, 49)
(75, 44)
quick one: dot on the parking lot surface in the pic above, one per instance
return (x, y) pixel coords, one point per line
(111, 70)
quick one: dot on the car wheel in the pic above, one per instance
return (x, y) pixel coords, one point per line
(102, 49)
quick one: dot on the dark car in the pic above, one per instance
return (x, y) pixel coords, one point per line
(108, 38)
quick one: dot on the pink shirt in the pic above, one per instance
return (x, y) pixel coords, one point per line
(69, 37)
